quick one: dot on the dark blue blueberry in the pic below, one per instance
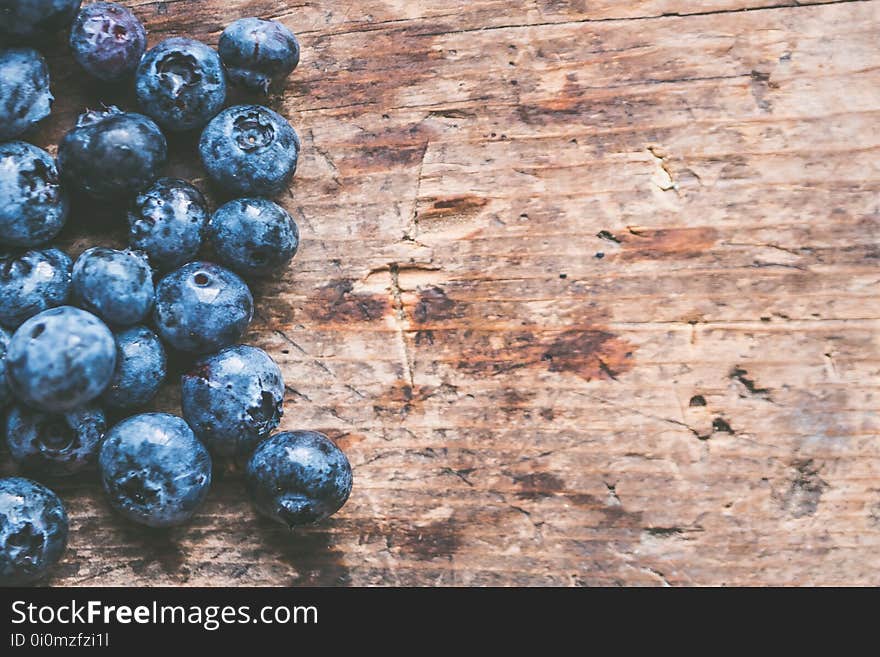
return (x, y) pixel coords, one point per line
(168, 223)
(25, 99)
(181, 84)
(233, 399)
(258, 53)
(33, 206)
(108, 41)
(55, 445)
(60, 359)
(112, 154)
(249, 150)
(33, 531)
(298, 477)
(5, 393)
(31, 282)
(154, 469)
(253, 236)
(26, 19)
(115, 285)
(202, 307)
(140, 369)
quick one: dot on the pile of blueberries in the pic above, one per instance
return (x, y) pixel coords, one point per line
(88, 340)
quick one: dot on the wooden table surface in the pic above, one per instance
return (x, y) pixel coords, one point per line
(588, 292)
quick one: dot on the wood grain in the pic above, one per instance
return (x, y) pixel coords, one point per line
(587, 292)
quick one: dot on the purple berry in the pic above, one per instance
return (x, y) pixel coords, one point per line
(108, 41)
(258, 53)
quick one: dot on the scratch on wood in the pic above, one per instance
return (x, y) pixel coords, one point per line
(402, 323)
(411, 232)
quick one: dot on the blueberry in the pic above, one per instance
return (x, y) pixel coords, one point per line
(26, 19)
(33, 206)
(298, 477)
(258, 53)
(55, 445)
(233, 399)
(168, 223)
(117, 286)
(249, 150)
(112, 154)
(25, 99)
(154, 469)
(202, 307)
(60, 359)
(5, 393)
(181, 84)
(253, 236)
(108, 41)
(33, 531)
(31, 282)
(140, 369)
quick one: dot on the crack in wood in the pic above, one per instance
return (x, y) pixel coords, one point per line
(649, 17)
(402, 323)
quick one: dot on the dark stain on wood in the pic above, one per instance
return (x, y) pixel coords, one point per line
(456, 206)
(438, 540)
(311, 551)
(382, 158)
(516, 397)
(344, 440)
(160, 548)
(602, 111)
(760, 85)
(614, 516)
(805, 489)
(658, 243)
(402, 398)
(397, 400)
(433, 305)
(591, 354)
(617, 517)
(537, 484)
(586, 501)
(335, 302)
(390, 149)
(741, 375)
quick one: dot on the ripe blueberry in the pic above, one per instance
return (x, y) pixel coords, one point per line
(253, 236)
(112, 154)
(55, 445)
(154, 470)
(168, 223)
(181, 84)
(108, 41)
(140, 369)
(25, 99)
(31, 282)
(60, 359)
(202, 307)
(298, 477)
(233, 399)
(249, 150)
(33, 206)
(33, 531)
(117, 286)
(258, 53)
